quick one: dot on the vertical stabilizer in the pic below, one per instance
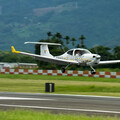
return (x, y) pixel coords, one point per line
(44, 51)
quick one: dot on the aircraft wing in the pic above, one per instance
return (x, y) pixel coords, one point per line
(46, 58)
(109, 62)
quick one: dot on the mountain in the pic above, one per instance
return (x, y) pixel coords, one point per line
(30, 20)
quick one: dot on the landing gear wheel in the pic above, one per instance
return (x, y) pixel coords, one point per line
(63, 70)
(93, 72)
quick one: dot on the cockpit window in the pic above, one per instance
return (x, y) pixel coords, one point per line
(81, 52)
(70, 52)
(77, 52)
(84, 52)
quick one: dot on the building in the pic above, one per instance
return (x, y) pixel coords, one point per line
(18, 65)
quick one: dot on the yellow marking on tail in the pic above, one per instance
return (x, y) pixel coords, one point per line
(13, 50)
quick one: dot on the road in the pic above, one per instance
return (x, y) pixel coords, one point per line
(81, 104)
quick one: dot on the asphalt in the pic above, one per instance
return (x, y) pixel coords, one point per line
(76, 104)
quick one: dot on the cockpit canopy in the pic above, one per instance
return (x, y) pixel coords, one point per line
(78, 51)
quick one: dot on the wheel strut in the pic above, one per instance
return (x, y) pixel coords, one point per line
(63, 69)
(93, 70)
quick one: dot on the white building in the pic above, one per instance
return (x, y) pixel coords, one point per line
(17, 65)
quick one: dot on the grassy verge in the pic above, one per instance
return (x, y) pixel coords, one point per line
(108, 69)
(33, 115)
(63, 84)
(49, 77)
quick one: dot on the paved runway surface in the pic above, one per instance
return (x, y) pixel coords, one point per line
(61, 103)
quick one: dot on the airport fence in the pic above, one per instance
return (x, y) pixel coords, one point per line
(59, 73)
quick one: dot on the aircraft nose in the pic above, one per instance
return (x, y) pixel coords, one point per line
(98, 57)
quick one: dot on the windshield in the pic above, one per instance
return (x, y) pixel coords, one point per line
(70, 52)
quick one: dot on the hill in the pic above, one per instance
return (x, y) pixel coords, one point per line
(29, 20)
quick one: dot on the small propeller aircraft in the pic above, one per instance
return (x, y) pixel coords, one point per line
(77, 56)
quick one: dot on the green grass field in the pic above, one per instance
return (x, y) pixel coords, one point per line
(63, 84)
(35, 115)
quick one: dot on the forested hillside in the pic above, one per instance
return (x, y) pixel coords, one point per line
(30, 20)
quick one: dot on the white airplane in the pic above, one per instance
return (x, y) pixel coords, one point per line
(77, 56)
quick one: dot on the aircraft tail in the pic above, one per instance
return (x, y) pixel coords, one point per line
(44, 50)
(13, 50)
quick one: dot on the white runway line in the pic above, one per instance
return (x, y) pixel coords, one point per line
(66, 109)
(18, 98)
(70, 95)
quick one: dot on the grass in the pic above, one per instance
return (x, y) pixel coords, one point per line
(35, 115)
(63, 84)
(49, 77)
(108, 69)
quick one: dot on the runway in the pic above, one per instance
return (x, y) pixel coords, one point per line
(81, 104)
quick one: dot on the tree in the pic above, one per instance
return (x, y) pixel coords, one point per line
(67, 39)
(82, 38)
(27, 59)
(73, 41)
(11, 58)
(58, 35)
(116, 51)
(49, 34)
(78, 46)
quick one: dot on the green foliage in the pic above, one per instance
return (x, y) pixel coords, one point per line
(116, 51)
(10, 57)
(73, 41)
(82, 38)
(21, 114)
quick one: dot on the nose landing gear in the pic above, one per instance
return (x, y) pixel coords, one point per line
(93, 70)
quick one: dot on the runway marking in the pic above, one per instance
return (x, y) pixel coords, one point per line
(18, 98)
(70, 95)
(66, 109)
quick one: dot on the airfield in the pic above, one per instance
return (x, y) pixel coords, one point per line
(73, 94)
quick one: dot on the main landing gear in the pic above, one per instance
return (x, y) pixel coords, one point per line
(93, 70)
(63, 69)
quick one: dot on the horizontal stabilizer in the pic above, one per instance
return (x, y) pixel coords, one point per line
(42, 43)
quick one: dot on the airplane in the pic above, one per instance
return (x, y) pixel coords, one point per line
(76, 56)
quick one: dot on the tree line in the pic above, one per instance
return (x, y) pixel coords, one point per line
(67, 43)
